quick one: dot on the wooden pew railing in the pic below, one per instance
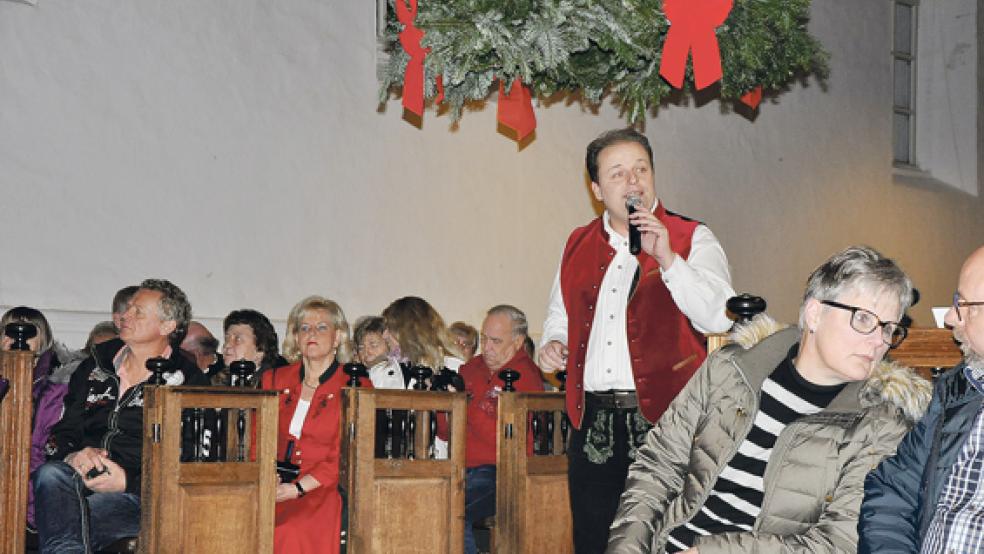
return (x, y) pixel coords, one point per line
(925, 349)
(403, 499)
(15, 448)
(532, 503)
(220, 506)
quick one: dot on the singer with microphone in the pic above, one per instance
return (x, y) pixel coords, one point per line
(634, 293)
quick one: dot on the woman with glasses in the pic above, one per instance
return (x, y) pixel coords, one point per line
(309, 507)
(767, 447)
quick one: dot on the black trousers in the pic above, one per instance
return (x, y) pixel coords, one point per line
(595, 488)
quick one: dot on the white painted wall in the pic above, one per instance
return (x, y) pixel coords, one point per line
(236, 148)
(946, 92)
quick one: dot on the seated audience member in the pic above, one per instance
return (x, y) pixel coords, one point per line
(466, 337)
(88, 494)
(767, 446)
(121, 300)
(250, 336)
(503, 333)
(100, 333)
(417, 336)
(309, 509)
(53, 367)
(928, 497)
(384, 371)
(203, 348)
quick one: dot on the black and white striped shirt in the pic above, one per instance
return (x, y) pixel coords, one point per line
(736, 498)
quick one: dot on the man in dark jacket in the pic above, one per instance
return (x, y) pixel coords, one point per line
(927, 497)
(88, 493)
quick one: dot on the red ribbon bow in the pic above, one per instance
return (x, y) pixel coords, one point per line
(692, 25)
(410, 37)
(515, 110)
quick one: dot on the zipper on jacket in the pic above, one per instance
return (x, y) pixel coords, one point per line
(114, 417)
(750, 422)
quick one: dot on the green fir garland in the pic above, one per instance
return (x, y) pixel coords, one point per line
(593, 49)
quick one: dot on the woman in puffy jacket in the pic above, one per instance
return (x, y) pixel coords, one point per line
(767, 447)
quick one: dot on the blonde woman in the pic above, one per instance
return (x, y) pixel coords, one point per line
(309, 509)
(416, 333)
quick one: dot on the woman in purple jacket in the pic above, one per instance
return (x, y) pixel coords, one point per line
(53, 366)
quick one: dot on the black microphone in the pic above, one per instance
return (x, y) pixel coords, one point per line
(633, 203)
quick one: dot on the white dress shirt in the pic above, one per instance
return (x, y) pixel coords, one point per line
(699, 285)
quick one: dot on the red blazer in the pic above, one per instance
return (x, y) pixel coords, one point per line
(311, 523)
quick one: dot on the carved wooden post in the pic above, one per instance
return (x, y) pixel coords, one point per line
(15, 448)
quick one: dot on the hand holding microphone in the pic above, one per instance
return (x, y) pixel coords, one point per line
(647, 234)
(632, 204)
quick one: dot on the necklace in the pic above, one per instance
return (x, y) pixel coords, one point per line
(312, 387)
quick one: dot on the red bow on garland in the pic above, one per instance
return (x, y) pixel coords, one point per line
(413, 78)
(692, 25)
(515, 109)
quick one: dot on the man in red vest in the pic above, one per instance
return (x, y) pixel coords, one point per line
(627, 328)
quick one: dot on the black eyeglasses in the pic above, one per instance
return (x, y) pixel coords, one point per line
(865, 322)
(958, 303)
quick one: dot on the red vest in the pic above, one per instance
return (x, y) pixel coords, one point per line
(665, 350)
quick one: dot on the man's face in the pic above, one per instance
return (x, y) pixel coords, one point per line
(499, 344)
(196, 332)
(624, 170)
(968, 329)
(141, 322)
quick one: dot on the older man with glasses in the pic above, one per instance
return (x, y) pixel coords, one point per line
(928, 498)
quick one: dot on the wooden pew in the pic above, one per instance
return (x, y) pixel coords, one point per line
(15, 449)
(400, 504)
(927, 348)
(225, 506)
(532, 504)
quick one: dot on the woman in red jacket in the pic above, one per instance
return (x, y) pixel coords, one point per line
(309, 509)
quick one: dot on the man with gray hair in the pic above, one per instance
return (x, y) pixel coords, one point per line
(928, 497)
(501, 340)
(88, 493)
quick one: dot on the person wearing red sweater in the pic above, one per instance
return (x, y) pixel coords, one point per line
(503, 333)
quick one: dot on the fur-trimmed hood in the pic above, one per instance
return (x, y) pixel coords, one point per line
(890, 383)
(69, 361)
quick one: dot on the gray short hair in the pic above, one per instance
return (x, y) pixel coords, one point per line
(857, 267)
(519, 324)
(173, 306)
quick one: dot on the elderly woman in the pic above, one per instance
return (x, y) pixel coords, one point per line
(52, 371)
(249, 336)
(309, 509)
(767, 447)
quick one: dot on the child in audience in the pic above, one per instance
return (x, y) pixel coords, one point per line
(384, 370)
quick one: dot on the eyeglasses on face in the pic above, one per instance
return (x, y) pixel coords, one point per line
(865, 322)
(958, 303)
(320, 329)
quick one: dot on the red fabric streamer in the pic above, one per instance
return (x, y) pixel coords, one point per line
(752, 97)
(692, 25)
(413, 78)
(516, 109)
(440, 90)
